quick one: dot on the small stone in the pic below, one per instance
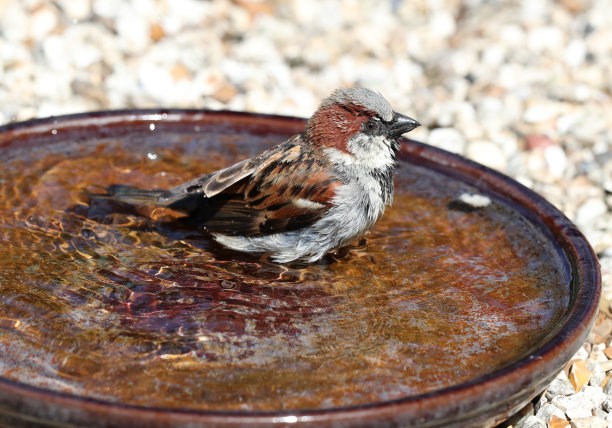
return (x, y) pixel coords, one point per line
(487, 153)
(225, 93)
(582, 353)
(575, 6)
(443, 23)
(538, 141)
(595, 394)
(545, 38)
(547, 411)
(540, 111)
(155, 80)
(589, 422)
(180, 72)
(256, 7)
(575, 53)
(574, 406)
(579, 375)
(531, 422)
(597, 353)
(156, 32)
(590, 210)
(133, 31)
(600, 413)
(559, 386)
(107, 8)
(598, 375)
(76, 9)
(43, 22)
(558, 422)
(606, 365)
(556, 160)
(447, 139)
(474, 200)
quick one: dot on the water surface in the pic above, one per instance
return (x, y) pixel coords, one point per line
(130, 306)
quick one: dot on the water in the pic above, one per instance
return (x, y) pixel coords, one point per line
(130, 306)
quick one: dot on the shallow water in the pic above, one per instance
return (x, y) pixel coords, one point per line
(106, 302)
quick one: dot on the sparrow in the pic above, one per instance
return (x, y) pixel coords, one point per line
(316, 192)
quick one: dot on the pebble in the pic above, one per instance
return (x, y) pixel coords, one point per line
(540, 111)
(558, 422)
(595, 394)
(531, 422)
(579, 375)
(447, 139)
(575, 406)
(598, 375)
(522, 87)
(589, 211)
(548, 410)
(77, 10)
(487, 153)
(559, 386)
(589, 422)
(556, 160)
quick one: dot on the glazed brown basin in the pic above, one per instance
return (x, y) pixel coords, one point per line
(462, 304)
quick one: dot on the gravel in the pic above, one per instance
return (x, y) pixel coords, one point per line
(523, 87)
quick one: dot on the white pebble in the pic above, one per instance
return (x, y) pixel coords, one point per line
(487, 153)
(155, 80)
(575, 53)
(581, 354)
(42, 22)
(598, 375)
(531, 422)
(133, 32)
(589, 211)
(594, 393)
(548, 410)
(475, 200)
(540, 111)
(76, 9)
(574, 406)
(556, 160)
(545, 38)
(447, 139)
(589, 422)
(107, 8)
(559, 386)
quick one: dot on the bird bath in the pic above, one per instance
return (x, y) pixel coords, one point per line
(463, 303)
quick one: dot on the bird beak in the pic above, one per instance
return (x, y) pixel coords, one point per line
(402, 124)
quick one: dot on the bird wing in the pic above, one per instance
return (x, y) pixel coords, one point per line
(290, 190)
(188, 196)
(211, 184)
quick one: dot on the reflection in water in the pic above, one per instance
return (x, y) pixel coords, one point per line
(137, 307)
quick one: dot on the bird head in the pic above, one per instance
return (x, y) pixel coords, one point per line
(357, 126)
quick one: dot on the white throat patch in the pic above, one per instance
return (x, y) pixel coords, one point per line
(372, 152)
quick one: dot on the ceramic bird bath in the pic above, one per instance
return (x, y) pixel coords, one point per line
(461, 305)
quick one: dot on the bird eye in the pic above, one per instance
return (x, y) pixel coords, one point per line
(371, 125)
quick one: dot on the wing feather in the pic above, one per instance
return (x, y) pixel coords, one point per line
(285, 188)
(290, 190)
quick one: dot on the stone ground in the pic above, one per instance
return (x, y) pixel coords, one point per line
(523, 87)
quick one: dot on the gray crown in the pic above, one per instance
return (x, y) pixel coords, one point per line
(364, 97)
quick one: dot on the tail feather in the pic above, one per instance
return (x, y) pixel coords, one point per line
(188, 203)
(137, 196)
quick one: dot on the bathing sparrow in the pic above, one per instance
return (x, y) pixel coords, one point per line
(315, 192)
